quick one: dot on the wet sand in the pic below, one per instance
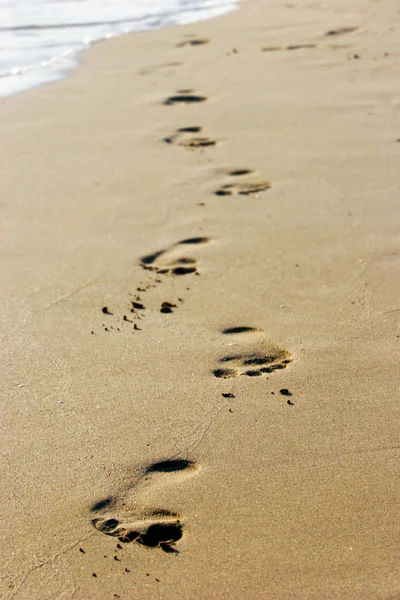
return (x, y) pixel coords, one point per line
(200, 280)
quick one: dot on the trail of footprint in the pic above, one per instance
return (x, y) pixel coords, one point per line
(153, 528)
(174, 261)
(253, 361)
(181, 137)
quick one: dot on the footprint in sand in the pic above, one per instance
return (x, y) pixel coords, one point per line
(184, 97)
(184, 137)
(301, 46)
(243, 188)
(193, 42)
(290, 47)
(152, 528)
(174, 260)
(254, 359)
(341, 31)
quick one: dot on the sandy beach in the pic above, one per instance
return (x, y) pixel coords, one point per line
(200, 313)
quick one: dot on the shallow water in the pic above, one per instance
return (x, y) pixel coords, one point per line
(40, 39)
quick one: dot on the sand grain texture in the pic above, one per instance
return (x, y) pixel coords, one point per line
(128, 469)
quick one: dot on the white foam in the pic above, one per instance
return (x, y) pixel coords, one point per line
(40, 39)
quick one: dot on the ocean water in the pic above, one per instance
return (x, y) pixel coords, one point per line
(41, 39)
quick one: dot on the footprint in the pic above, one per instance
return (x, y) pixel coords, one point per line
(173, 261)
(157, 529)
(243, 189)
(181, 138)
(341, 31)
(184, 97)
(290, 47)
(253, 361)
(271, 48)
(194, 42)
(153, 528)
(339, 46)
(198, 142)
(301, 46)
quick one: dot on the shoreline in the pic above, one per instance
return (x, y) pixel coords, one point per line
(70, 57)
(199, 304)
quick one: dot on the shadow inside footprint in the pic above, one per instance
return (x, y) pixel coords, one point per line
(170, 466)
(198, 142)
(184, 99)
(107, 526)
(231, 330)
(161, 535)
(341, 30)
(190, 129)
(240, 172)
(183, 270)
(195, 240)
(150, 258)
(225, 373)
(193, 42)
(101, 504)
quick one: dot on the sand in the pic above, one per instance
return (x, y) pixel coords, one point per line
(129, 248)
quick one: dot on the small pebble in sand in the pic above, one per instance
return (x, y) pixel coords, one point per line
(106, 310)
(228, 395)
(138, 305)
(285, 392)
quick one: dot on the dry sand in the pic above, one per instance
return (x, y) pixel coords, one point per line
(272, 496)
